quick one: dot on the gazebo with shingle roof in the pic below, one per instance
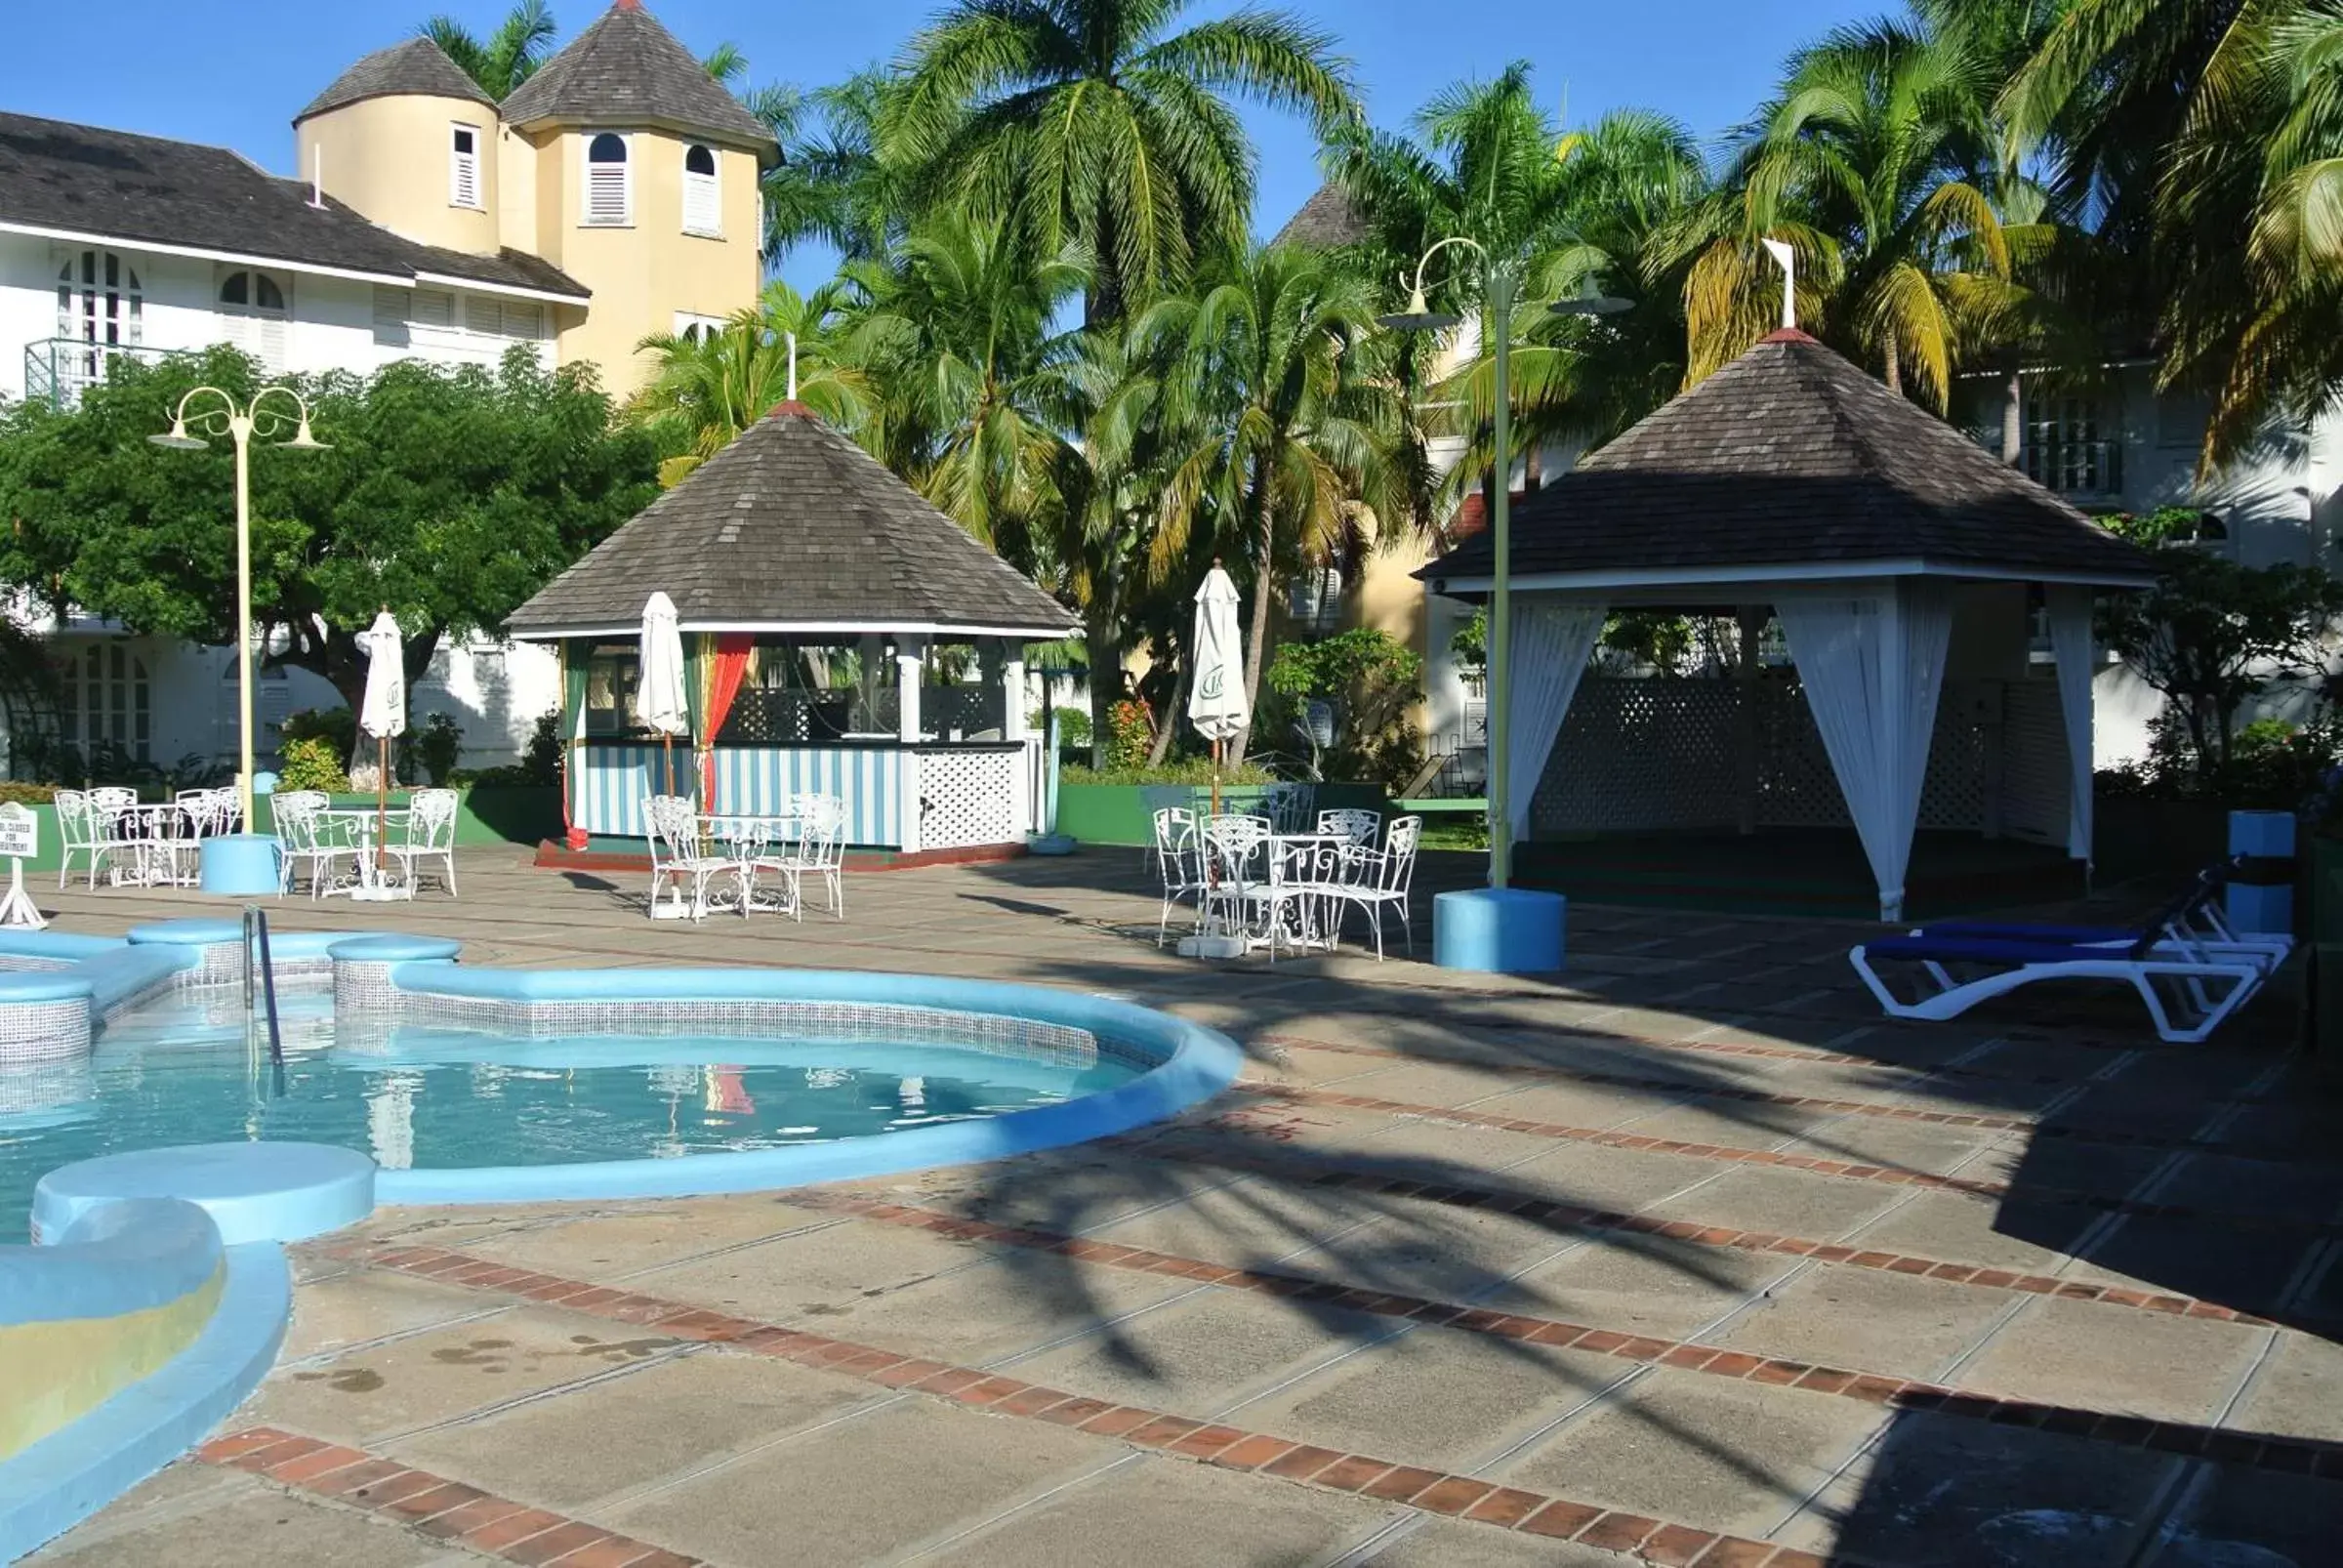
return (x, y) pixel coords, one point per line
(1901, 562)
(800, 568)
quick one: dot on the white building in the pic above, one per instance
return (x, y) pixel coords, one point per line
(614, 196)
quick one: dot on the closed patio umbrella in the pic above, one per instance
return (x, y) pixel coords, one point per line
(661, 702)
(382, 711)
(1217, 691)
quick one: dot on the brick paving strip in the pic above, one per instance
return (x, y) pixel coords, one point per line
(433, 1505)
(687, 1321)
(1820, 1165)
(307, 1462)
(1846, 1107)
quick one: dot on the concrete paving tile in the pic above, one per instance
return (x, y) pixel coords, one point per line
(1866, 1320)
(823, 1274)
(2299, 1392)
(177, 1490)
(241, 1525)
(565, 1452)
(1434, 1084)
(1431, 1250)
(1598, 1178)
(1196, 1357)
(367, 1303)
(2024, 1237)
(977, 1315)
(2242, 1266)
(1436, 1397)
(2260, 1518)
(1705, 1452)
(1728, 1123)
(1781, 1203)
(1426, 1149)
(1645, 1285)
(1176, 1513)
(2148, 1364)
(369, 1394)
(860, 1490)
(1252, 1223)
(1591, 1105)
(604, 1243)
(2265, 1188)
(1898, 1145)
(1458, 1543)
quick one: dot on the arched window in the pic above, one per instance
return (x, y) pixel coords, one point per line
(103, 701)
(609, 192)
(252, 312)
(99, 308)
(703, 197)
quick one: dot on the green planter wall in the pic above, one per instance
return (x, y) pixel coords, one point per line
(497, 814)
(1125, 814)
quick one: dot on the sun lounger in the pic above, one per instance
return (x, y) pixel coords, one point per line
(2188, 967)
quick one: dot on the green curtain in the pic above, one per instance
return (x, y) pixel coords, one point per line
(699, 652)
(574, 655)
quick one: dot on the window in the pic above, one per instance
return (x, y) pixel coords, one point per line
(99, 308)
(435, 308)
(697, 328)
(609, 193)
(2072, 447)
(703, 199)
(464, 166)
(491, 317)
(252, 306)
(611, 674)
(392, 308)
(102, 702)
(1316, 602)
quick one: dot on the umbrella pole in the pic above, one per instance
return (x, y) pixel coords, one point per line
(1216, 778)
(382, 796)
(667, 760)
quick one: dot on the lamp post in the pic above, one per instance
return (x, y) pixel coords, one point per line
(1498, 287)
(239, 423)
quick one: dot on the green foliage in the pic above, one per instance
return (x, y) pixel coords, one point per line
(437, 746)
(1188, 770)
(1371, 682)
(1129, 736)
(313, 764)
(2272, 767)
(2212, 635)
(338, 726)
(1469, 645)
(1073, 725)
(27, 794)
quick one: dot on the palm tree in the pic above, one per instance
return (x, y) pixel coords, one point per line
(1089, 121)
(507, 57)
(710, 386)
(835, 182)
(1875, 163)
(1280, 429)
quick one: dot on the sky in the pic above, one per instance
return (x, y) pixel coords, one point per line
(235, 75)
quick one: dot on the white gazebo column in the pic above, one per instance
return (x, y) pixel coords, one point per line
(1872, 663)
(911, 658)
(2070, 649)
(1013, 728)
(1745, 728)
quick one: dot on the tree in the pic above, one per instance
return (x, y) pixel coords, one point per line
(1090, 122)
(835, 181)
(507, 57)
(1369, 679)
(449, 497)
(1280, 429)
(710, 386)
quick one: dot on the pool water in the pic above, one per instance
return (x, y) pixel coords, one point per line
(415, 1098)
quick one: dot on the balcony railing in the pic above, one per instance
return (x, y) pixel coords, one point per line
(56, 370)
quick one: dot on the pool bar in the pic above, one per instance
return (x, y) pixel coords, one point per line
(155, 1294)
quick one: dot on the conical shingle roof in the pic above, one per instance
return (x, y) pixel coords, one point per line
(417, 66)
(627, 69)
(794, 526)
(1327, 221)
(1793, 457)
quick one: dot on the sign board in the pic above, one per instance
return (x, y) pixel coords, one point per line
(19, 832)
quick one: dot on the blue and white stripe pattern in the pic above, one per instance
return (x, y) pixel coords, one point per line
(750, 781)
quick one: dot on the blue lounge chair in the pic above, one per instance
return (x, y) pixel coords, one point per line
(2191, 969)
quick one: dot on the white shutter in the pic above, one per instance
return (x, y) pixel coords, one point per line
(464, 179)
(606, 193)
(268, 341)
(481, 315)
(391, 309)
(435, 308)
(525, 323)
(703, 206)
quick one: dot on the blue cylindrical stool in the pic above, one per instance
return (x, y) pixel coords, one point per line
(242, 865)
(2260, 896)
(1500, 930)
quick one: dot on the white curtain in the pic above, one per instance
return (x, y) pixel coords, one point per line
(2071, 646)
(1873, 665)
(1551, 642)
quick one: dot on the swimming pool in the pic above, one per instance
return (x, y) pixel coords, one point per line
(426, 1096)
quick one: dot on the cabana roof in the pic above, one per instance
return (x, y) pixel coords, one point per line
(1791, 465)
(793, 528)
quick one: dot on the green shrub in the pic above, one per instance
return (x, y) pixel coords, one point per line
(1193, 770)
(1073, 725)
(1130, 735)
(437, 746)
(313, 764)
(27, 794)
(336, 724)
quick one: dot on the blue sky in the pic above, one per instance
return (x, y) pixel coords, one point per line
(235, 74)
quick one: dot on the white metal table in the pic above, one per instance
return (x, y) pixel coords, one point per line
(374, 882)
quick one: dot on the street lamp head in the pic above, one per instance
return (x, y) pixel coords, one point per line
(1590, 301)
(178, 439)
(1418, 317)
(303, 442)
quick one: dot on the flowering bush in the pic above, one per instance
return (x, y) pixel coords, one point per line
(1129, 734)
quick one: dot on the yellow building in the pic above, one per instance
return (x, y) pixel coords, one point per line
(620, 172)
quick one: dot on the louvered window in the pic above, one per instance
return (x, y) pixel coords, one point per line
(391, 309)
(252, 306)
(464, 166)
(504, 318)
(703, 197)
(610, 189)
(435, 308)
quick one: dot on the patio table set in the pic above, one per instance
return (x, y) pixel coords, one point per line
(1290, 888)
(135, 843)
(708, 862)
(366, 854)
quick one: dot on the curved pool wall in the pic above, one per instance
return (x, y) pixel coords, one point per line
(146, 1318)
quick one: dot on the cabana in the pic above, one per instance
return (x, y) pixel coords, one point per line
(1909, 573)
(843, 637)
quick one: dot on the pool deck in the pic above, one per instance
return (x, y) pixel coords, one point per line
(1687, 1256)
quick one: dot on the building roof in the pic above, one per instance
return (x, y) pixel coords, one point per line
(1792, 458)
(418, 66)
(627, 69)
(794, 526)
(80, 181)
(1327, 221)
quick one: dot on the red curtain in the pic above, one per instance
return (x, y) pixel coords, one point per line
(725, 672)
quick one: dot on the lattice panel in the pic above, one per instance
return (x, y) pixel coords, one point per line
(969, 797)
(2033, 768)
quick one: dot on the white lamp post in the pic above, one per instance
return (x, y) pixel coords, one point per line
(239, 423)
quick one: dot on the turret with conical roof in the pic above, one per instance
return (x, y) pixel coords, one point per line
(407, 139)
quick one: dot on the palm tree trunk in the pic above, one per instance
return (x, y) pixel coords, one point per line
(2013, 418)
(1265, 579)
(1169, 725)
(1895, 368)
(1102, 633)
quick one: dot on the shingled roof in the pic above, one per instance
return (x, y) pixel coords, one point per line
(794, 526)
(627, 69)
(82, 180)
(1327, 221)
(1793, 457)
(417, 66)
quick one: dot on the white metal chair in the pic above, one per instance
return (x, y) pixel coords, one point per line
(76, 834)
(681, 853)
(1384, 879)
(820, 853)
(1178, 862)
(1235, 856)
(308, 839)
(429, 835)
(1361, 827)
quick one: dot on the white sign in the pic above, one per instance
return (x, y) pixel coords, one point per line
(19, 832)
